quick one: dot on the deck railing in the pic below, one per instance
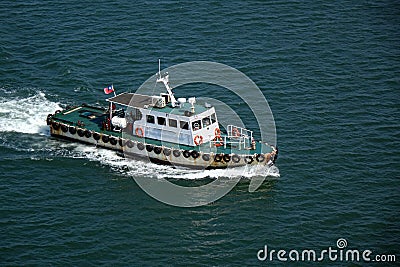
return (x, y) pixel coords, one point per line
(237, 137)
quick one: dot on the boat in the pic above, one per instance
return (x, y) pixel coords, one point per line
(162, 129)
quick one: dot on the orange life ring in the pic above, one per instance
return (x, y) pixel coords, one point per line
(235, 132)
(218, 141)
(198, 140)
(217, 132)
(139, 132)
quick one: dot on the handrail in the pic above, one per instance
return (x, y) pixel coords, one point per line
(236, 136)
(236, 131)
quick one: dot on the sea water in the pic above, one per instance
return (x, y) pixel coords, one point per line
(328, 70)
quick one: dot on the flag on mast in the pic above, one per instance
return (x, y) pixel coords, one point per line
(109, 89)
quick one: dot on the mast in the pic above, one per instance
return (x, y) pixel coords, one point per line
(165, 80)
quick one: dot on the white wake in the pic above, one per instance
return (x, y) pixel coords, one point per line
(26, 115)
(133, 168)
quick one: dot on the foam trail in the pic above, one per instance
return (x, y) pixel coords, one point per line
(133, 168)
(26, 115)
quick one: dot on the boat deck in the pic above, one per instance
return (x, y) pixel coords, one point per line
(140, 101)
(92, 118)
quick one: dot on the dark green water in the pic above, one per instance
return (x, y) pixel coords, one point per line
(330, 72)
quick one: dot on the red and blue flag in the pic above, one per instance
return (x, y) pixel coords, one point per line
(109, 89)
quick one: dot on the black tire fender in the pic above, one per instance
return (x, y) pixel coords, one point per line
(149, 147)
(64, 128)
(88, 134)
(227, 157)
(72, 130)
(130, 144)
(195, 154)
(49, 118)
(176, 153)
(157, 150)
(55, 125)
(81, 133)
(249, 159)
(218, 158)
(206, 157)
(186, 153)
(96, 136)
(113, 141)
(105, 138)
(235, 158)
(167, 151)
(140, 146)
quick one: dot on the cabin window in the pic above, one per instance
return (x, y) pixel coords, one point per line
(213, 118)
(150, 119)
(206, 121)
(161, 120)
(184, 125)
(172, 123)
(133, 114)
(196, 125)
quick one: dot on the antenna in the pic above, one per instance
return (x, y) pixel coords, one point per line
(165, 81)
(159, 68)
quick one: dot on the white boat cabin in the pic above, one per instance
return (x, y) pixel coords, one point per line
(157, 117)
(164, 118)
